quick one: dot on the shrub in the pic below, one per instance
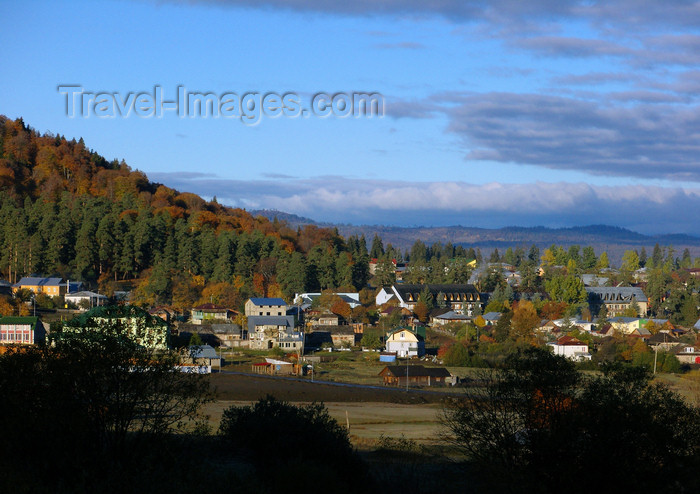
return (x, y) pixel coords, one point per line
(272, 432)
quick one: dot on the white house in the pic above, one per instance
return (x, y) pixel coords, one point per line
(92, 298)
(405, 343)
(571, 348)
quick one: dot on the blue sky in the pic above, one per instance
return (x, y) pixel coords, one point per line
(546, 112)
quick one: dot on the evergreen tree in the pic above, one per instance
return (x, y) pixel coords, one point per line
(377, 250)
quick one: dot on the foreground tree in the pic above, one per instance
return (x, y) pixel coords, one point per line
(94, 399)
(538, 423)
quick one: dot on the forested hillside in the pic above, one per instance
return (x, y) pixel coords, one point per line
(66, 210)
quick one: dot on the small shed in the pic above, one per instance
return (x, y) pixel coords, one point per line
(204, 355)
(275, 367)
(417, 375)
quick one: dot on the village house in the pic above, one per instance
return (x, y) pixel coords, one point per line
(448, 317)
(417, 375)
(265, 307)
(266, 332)
(53, 287)
(210, 313)
(202, 355)
(230, 335)
(687, 354)
(325, 319)
(491, 318)
(91, 299)
(663, 340)
(275, 367)
(21, 331)
(406, 343)
(464, 298)
(617, 299)
(146, 330)
(571, 348)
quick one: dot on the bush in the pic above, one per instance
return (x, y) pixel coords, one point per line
(539, 411)
(272, 432)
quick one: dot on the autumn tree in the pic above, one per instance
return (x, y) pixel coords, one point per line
(524, 320)
(421, 311)
(342, 309)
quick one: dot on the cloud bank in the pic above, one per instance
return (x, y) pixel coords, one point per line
(645, 209)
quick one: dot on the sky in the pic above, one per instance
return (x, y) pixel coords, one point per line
(547, 112)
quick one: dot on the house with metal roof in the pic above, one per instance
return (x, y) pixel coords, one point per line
(211, 313)
(265, 307)
(266, 332)
(48, 286)
(91, 298)
(617, 299)
(461, 297)
(202, 355)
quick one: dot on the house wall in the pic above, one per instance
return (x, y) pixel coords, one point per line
(569, 351)
(383, 296)
(16, 334)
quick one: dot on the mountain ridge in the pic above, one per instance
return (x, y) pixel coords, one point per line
(613, 239)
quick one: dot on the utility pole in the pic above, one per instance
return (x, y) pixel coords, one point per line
(406, 370)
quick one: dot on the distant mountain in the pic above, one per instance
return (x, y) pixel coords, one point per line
(292, 220)
(612, 239)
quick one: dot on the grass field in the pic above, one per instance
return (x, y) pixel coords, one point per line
(374, 412)
(368, 421)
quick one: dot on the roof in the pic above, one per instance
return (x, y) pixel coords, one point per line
(225, 329)
(211, 308)
(492, 316)
(453, 291)
(18, 320)
(115, 312)
(38, 281)
(84, 294)
(617, 293)
(286, 321)
(662, 337)
(268, 301)
(203, 351)
(453, 316)
(593, 280)
(570, 341)
(415, 371)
